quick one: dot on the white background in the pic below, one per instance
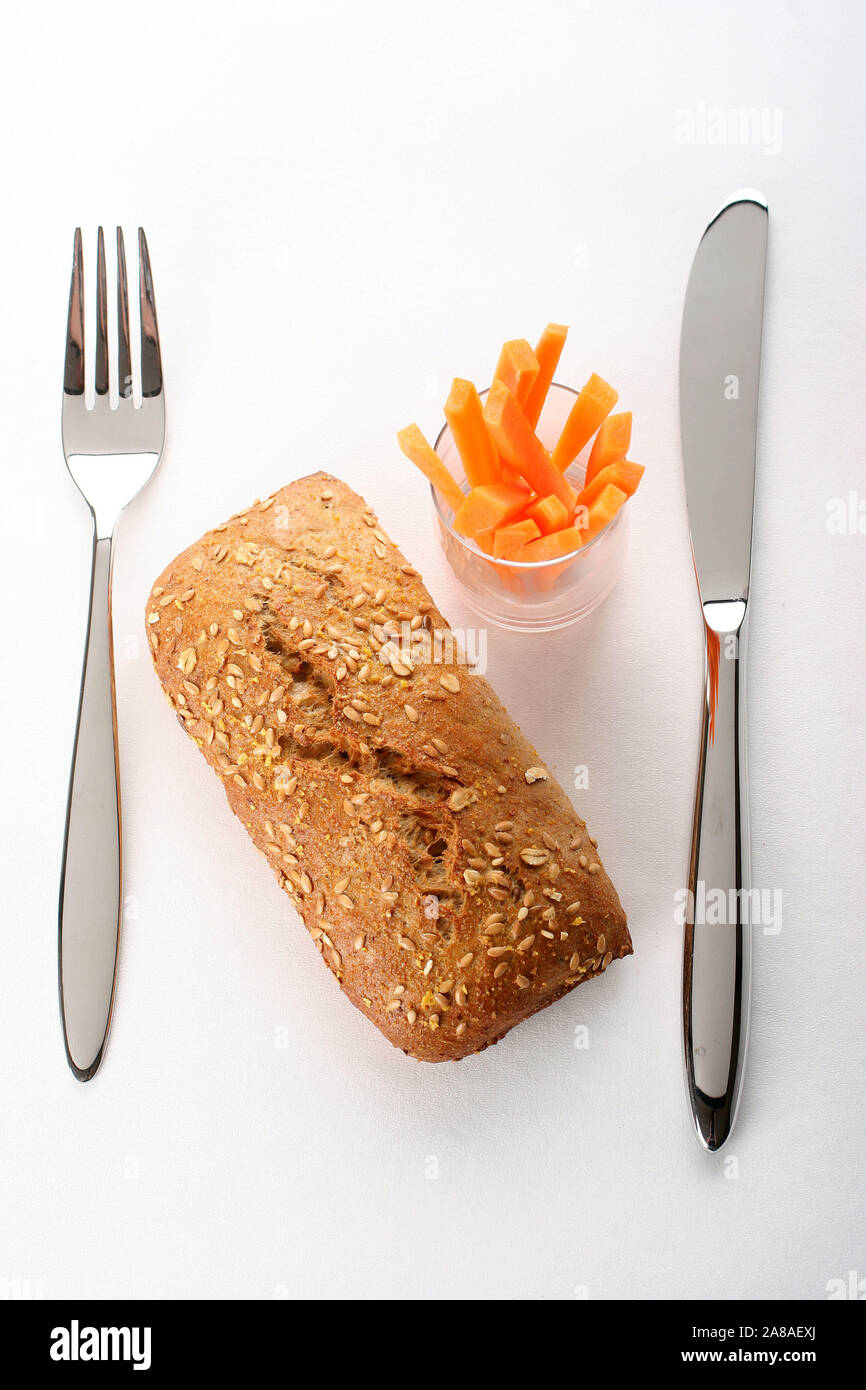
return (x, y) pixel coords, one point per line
(346, 206)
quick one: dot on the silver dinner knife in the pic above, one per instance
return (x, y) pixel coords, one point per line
(720, 358)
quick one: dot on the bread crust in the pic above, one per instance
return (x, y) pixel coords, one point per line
(433, 859)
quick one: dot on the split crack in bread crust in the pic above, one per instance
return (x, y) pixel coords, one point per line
(444, 875)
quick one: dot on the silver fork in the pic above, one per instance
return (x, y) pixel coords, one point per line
(110, 452)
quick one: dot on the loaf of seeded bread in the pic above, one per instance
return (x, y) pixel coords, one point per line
(443, 874)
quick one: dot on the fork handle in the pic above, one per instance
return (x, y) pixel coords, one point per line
(90, 892)
(717, 945)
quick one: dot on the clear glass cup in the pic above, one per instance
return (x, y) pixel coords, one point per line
(548, 594)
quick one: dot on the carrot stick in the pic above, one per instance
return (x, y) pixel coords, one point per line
(517, 367)
(474, 445)
(508, 539)
(548, 513)
(551, 547)
(602, 511)
(548, 351)
(521, 447)
(416, 449)
(508, 578)
(595, 401)
(489, 506)
(625, 475)
(611, 444)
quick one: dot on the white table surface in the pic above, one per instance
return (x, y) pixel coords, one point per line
(347, 205)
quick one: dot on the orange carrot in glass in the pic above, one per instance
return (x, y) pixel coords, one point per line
(548, 351)
(602, 511)
(489, 506)
(551, 547)
(611, 444)
(548, 513)
(416, 448)
(595, 401)
(474, 445)
(517, 367)
(625, 475)
(520, 446)
(508, 539)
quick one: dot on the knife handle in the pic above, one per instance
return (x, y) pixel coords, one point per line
(717, 942)
(90, 875)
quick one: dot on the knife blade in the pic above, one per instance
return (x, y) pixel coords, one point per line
(720, 358)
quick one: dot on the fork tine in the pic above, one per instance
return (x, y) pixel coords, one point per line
(124, 360)
(151, 361)
(101, 373)
(73, 372)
